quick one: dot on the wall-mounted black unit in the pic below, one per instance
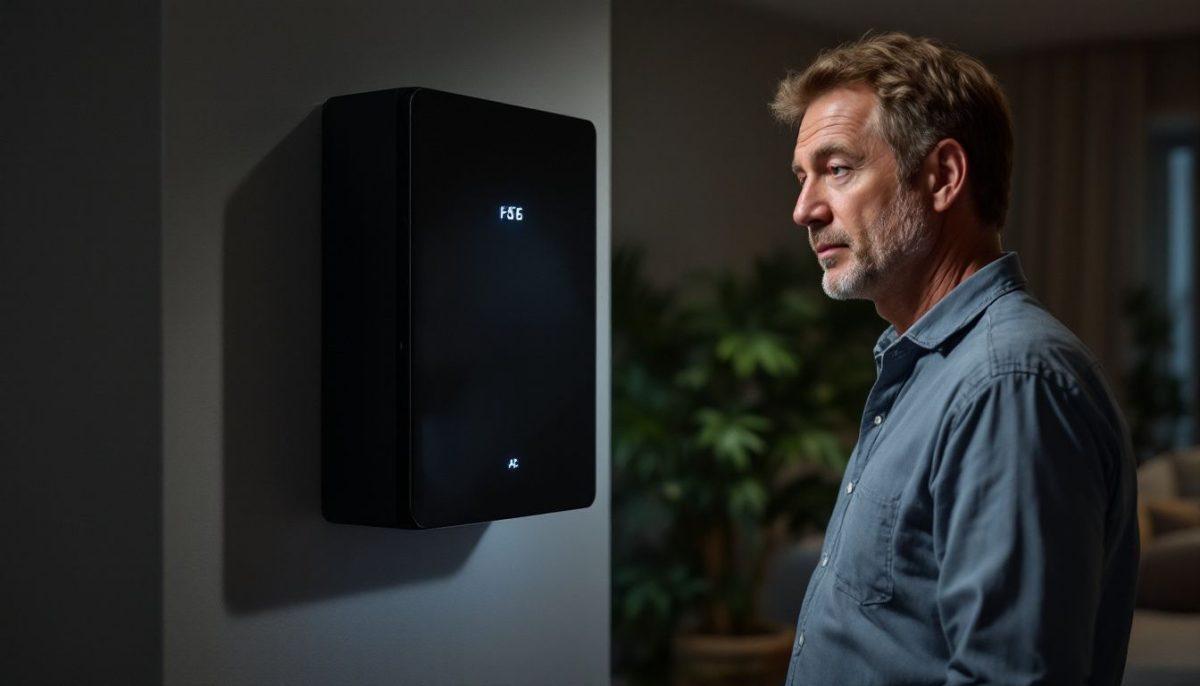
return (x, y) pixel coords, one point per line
(458, 310)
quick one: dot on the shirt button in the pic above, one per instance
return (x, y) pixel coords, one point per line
(878, 419)
(849, 488)
(800, 640)
(824, 559)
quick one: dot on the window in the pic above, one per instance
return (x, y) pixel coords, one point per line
(1173, 184)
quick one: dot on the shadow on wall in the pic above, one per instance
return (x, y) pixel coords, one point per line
(278, 549)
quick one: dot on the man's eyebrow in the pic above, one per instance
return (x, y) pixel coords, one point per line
(829, 150)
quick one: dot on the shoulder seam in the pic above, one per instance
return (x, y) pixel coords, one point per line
(999, 372)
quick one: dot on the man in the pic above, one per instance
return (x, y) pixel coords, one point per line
(985, 530)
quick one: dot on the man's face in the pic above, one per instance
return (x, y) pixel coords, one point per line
(863, 226)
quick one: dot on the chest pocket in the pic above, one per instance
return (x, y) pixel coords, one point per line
(863, 562)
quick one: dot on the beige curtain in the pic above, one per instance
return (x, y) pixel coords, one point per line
(1078, 216)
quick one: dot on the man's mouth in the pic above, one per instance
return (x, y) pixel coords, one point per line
(826, 249)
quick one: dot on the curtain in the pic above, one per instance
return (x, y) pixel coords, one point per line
(1078, 215)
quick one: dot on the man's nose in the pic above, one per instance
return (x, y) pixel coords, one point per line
(812, 211)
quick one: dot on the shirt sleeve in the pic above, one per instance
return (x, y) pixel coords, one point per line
(1020, 498)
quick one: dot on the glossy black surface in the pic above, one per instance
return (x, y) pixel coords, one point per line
(459, 312)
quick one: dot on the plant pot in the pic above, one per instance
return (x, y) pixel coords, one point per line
(752, 660)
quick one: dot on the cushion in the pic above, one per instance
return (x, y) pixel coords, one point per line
(1172, 514)
(1187, 473)
(1157, 479)
(1169, 577)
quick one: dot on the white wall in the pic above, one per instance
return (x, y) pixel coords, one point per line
(700, 168)
(257, 587)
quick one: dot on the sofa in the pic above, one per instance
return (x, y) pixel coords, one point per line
(1164, 644)
(1169, 524)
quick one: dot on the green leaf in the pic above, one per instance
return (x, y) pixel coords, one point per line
(747, 499)
(672, 490)
(733, 438)
(798, 305)
(811, 445)
(694, 377)
(748, 351)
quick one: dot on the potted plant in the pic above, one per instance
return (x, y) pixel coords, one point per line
(735, 406)
(1154, 395)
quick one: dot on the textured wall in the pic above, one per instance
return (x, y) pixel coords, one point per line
(258, 588)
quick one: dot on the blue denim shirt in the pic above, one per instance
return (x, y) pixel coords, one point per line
(985, 532)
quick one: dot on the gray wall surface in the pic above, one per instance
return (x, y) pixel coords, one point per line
(258, 588)
(80, 381)
(700, 168)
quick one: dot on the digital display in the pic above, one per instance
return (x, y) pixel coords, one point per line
(512, 213)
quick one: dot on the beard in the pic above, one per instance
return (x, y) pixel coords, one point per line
(899, 235)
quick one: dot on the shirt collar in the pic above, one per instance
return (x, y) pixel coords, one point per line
(961, 305)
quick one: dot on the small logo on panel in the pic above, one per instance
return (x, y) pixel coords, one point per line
(512, 213)
(514, 463)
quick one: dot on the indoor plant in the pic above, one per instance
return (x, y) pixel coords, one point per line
(735, 405)
(1154, 396)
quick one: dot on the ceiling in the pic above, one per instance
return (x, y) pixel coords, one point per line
(993, 26)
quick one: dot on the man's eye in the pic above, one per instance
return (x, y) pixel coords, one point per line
(838, 170)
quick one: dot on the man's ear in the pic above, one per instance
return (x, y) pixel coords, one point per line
(945, 173)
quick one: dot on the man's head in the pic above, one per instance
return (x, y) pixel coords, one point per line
(875, 117)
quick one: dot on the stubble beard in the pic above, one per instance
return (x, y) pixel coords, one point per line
(897, 237)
